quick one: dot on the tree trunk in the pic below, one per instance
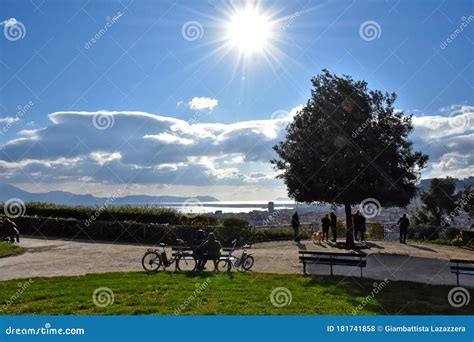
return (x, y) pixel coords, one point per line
(349, 226)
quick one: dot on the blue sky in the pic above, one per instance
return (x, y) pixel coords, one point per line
(144, 63)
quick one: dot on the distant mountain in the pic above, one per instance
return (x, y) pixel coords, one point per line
(460, 183)
(8, 191)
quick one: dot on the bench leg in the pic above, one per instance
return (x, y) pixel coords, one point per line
(331, 269)
(361, 272)
(304, 268)
(457, 279)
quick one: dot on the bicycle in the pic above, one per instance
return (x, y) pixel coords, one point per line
(243, 263)
(154, 259)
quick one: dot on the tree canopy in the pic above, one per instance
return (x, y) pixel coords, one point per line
(347, 144)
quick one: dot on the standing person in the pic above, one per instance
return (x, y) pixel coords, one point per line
(362, 226)
(356, 221)
(295, 224)
(403, 223)
(334, 226)
(325, 223)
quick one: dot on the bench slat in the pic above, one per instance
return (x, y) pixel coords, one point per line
(335, 262)
(363, 255)
(464, 270)
(461, 261)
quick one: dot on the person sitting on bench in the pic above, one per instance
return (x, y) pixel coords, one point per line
(213, 248)
(199, 249)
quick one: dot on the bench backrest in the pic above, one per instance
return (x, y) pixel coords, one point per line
(462, 266)
(327, 258)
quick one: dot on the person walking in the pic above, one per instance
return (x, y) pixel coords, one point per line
(334, 226)
(403, 223)
(295, 224)
(325, 224)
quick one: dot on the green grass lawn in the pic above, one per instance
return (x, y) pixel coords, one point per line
(137, 293)
(7, 249)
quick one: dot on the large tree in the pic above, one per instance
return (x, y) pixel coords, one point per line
(348, 144)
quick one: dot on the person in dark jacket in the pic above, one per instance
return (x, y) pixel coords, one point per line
(199, 249)
(334, 226)
(10, 230)
(325, 224)
(213, 249)
(295, 224)
(403, 223)
(359, 225)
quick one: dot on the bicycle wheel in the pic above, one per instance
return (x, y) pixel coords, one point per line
(247, 264)
(186, 263)
(223, 265)
(151, 261)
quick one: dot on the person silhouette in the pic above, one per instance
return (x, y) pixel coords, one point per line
(334, 226)
(295, 224)
(213, 249)
(403, 223)
(199, 250)
(325, 223)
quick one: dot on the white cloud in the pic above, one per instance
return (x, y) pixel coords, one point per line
(202, 103)
(144, 149)
(9, 120)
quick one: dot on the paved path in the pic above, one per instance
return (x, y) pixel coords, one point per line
(422, 263)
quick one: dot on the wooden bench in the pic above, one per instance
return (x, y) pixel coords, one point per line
(460, 266)
(333, 259)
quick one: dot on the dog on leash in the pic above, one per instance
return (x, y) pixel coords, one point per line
(317, 237)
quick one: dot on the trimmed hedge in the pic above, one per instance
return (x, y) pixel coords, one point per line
(144, 214)
(126, 231)
(144, 233)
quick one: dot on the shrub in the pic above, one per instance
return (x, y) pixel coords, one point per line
(376, 231)
(424, 233)
(235, 222)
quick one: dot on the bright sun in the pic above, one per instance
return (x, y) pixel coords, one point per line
(249, 31)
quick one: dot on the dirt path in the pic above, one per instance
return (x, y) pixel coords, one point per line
(415, 262)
